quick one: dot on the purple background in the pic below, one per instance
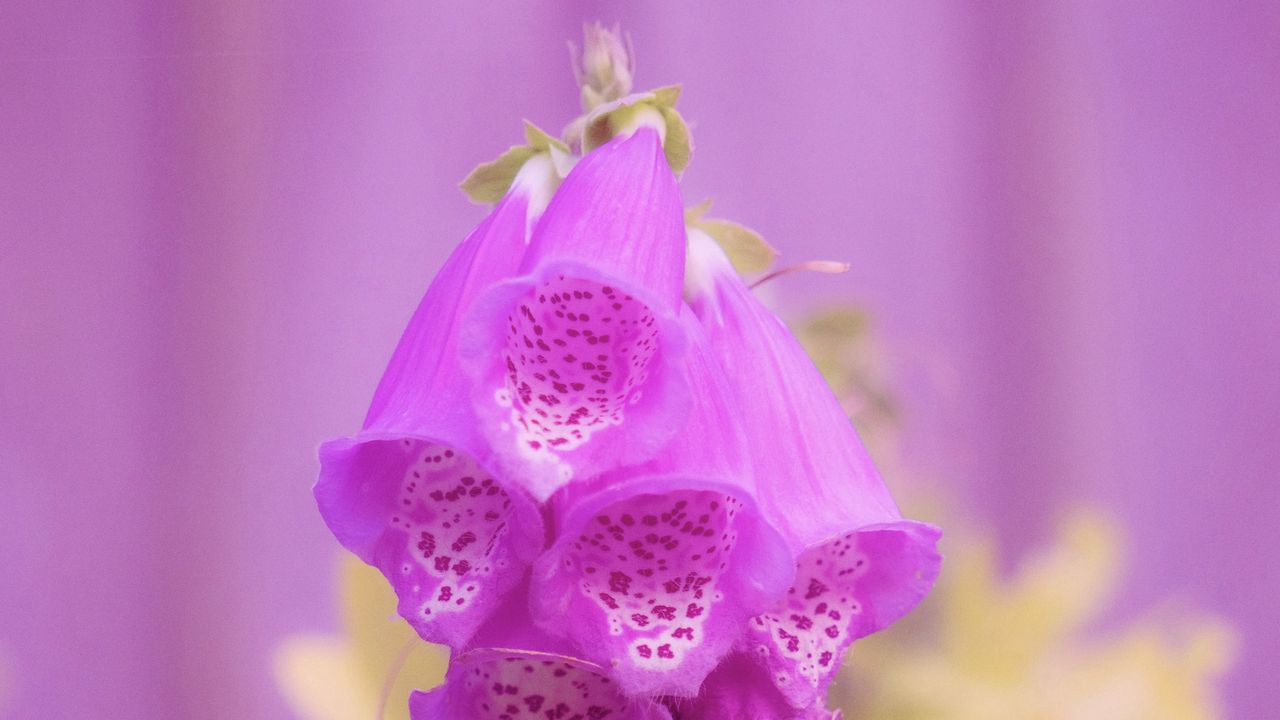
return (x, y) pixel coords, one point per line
(216, 217)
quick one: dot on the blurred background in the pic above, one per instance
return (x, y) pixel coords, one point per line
(1062, 221)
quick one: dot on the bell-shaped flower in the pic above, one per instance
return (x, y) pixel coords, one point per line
(861, 566)
(416, 493)
(577, 362)
(514, 671)
(657, 568)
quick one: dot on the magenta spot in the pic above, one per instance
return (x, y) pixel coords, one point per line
(575, 319)
(450, 504)
(824, 588)
(637, 595)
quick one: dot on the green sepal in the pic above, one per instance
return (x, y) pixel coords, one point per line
(678, 146)
(539, 139)
(490, 181)
(666, 96)
(749, 252)
(599, 126)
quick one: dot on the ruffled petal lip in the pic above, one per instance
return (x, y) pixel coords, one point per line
(845, 588)
(448, 535)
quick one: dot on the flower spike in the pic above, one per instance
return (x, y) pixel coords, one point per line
(599, 469)
(577, 363)
(416, 493)
(861, 566)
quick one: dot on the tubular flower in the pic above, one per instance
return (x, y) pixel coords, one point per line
(416, 493)
(577, 362)
(859, 565)
(662, 565)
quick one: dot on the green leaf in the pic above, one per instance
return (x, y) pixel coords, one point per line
(694, 213)
(540, 139)
(488, 182)
(747, 250)
(666, 96)
(678, 145)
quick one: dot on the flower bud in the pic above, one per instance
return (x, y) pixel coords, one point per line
(606, 66)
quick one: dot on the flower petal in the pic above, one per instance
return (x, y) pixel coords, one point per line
(577, 362)
(739, 688)
(845, 588)
(414, 494)
(501, 684)
(662, 565)
(861, 566)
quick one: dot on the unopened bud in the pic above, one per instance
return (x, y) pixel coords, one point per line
(606, 67)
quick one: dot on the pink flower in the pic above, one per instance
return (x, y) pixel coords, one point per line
(577, 362)
(859, 566)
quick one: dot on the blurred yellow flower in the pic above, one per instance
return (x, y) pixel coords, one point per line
(840, 341)
(344, 678)
(986, 648)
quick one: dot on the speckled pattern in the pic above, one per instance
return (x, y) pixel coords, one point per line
(456, 517)
(651, 563)
(804, 639)
(577, 354)
(509, 685)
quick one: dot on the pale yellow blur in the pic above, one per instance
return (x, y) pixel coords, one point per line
(343, 677)
(1025, 647)
(1033, 646)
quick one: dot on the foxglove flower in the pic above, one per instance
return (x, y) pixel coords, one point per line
(661, 565)
(417, 493)
(577, 363)
(860, 565)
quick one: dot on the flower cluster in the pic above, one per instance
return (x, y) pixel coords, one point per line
(600, 470)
